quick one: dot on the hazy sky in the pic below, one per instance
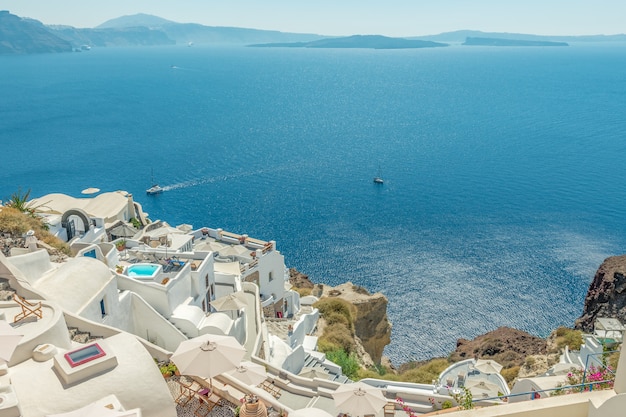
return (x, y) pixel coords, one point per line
(347, 17)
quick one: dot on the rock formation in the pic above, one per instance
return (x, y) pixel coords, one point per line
(606, 296)
(505, 345)
(371, 325)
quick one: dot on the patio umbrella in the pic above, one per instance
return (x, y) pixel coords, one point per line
(90, 190)
(480, 387)
(124, 230)
(185, 227)
(309, 412)
(208, 355)
(249, 373)
(359, 399)
(487, 366)
(232, 301)
(309, 372)
(9, 339)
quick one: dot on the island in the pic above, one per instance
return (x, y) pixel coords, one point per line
(357, 41)
(472, 41)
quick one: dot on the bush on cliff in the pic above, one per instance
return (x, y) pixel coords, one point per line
(17, 223)
(348, 362)
(336, 306)
(568, 337)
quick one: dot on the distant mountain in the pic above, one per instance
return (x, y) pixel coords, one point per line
(358, 41)
(135, 20)
(132, 36)
(27, 36)
(460, 36)
(509, 42)
(184, 33)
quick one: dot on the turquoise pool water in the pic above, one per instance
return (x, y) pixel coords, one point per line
(143, 270)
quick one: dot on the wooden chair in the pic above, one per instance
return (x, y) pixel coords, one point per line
(28, 309)
(390, 409)
(207, 402)
(188, 390)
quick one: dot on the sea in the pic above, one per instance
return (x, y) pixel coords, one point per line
(504, 167)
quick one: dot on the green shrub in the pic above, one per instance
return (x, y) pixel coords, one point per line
(569, 337)
(348, 362)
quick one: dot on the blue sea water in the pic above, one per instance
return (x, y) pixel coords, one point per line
(504, 167)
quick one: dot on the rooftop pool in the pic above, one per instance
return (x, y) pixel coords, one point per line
(143, 271)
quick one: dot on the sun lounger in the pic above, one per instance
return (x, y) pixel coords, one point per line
(28, 309)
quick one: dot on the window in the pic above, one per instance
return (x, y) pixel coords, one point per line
(103, 309)
(270, 276)
(206, 280)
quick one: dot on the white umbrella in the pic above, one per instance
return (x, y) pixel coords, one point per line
(232, 301)
(309, 412)
(9, 339)
(90, 190)
(487, 366)
(309, 372)
(208, 355)
(480, 387)
(185, 227)
(249, 373)
(359, 399)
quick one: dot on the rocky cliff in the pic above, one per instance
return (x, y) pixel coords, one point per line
(606, 296)
(371, 325)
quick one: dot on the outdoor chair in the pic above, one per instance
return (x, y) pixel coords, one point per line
(460, 381)
(188, 390)
(207, 402)
(28, 309)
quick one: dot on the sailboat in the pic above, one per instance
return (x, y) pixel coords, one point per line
(155, 189)
(378, 179)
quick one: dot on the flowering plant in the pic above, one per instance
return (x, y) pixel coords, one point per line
(408, 410)
(600, 377)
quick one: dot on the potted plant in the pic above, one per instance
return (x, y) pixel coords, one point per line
(165, 371)
(119, 269)
(120, 244)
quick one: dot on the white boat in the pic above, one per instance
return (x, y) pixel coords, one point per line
(155, 189)
(378, 179)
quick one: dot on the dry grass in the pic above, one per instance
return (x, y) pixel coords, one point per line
(17, 223)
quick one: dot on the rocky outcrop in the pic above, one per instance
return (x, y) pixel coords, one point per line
(505, 345)
(606, 296)
(299, 280)
(371, 325)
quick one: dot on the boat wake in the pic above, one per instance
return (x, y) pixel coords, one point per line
(208, 180)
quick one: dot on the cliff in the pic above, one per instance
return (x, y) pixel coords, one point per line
(371, 326)
(606, 296)
(27, 36)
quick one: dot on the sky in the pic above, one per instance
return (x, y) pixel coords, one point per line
(348, 17)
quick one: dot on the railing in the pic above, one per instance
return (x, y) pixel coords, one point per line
(537, 393)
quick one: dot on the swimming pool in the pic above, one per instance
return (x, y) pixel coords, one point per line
(143, 271)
